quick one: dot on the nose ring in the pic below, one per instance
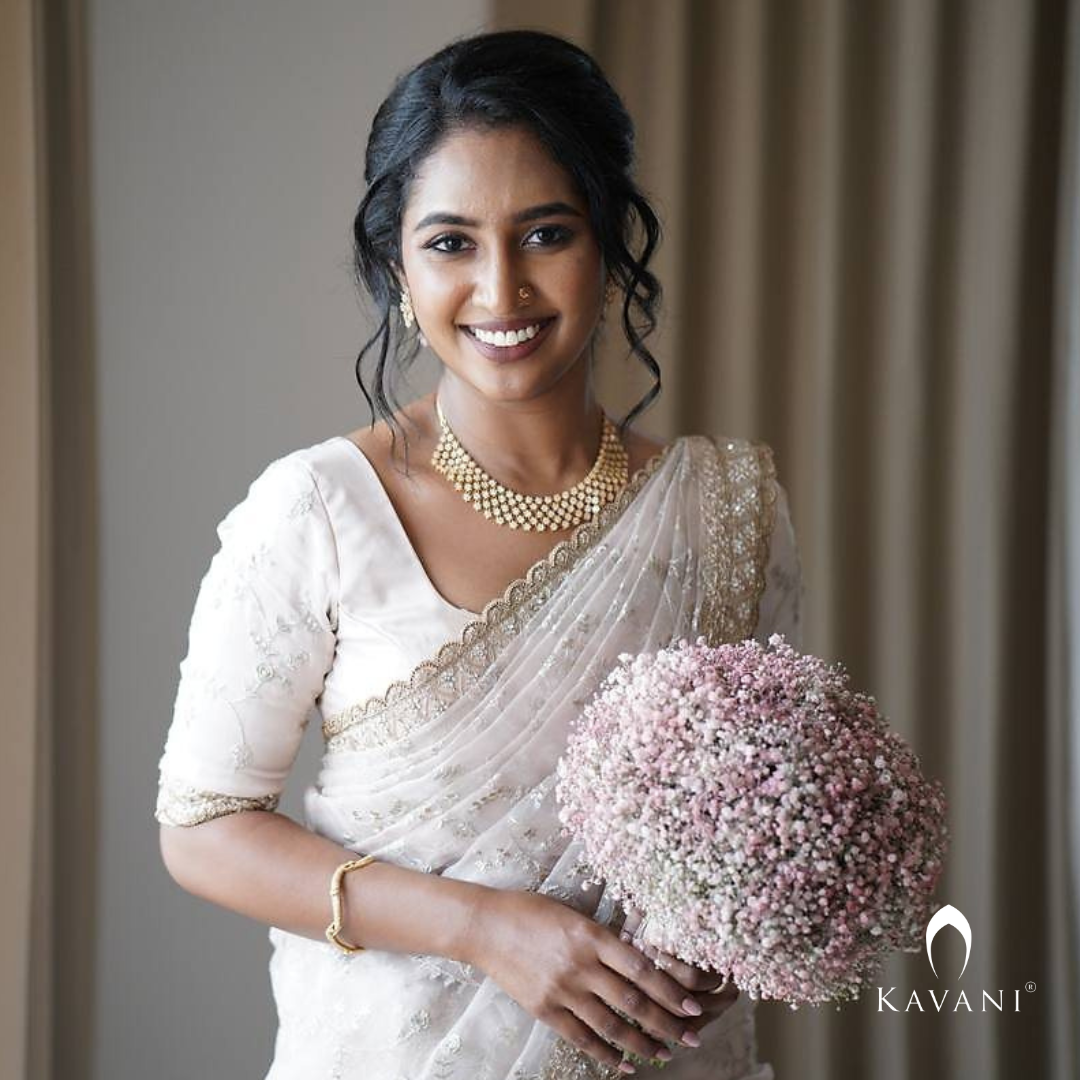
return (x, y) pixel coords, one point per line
(525, 294)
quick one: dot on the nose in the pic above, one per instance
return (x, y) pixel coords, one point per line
(497, 282)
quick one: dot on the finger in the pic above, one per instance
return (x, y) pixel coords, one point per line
(718, 1005)
(614, 1029)
(721, 1001)
(633, 1002)
(633, 965)
(693, 978)
(632, 922)
(714, 1005)
(579, 1034)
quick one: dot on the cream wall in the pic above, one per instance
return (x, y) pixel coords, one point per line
(227, 144)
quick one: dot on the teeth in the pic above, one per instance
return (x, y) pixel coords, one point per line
(506, 338)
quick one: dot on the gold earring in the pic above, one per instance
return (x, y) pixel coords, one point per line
(610, 291)
(407, 316)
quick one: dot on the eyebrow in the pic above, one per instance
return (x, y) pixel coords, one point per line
(550, 209)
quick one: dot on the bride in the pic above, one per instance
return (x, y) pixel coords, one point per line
(445, 607)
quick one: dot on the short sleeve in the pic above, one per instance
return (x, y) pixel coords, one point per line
(260, 643)
(781, 607)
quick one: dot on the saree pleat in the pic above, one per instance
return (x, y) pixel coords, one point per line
(452, 771)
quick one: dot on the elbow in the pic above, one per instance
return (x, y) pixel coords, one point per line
(175, 845)
(193, 854)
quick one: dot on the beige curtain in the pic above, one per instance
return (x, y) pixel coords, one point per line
(869, 218)
(48, 553)
(872, 261)
(20, 534)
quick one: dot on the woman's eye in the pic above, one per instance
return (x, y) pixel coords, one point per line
(448, 239)
(554, 234)
(542, 237)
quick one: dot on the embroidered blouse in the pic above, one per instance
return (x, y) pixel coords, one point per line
(314, 601)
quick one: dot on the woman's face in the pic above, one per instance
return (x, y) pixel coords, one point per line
(488, 213)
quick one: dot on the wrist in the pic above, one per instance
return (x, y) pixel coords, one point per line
(475, 929)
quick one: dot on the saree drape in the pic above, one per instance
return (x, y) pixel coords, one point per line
(452, 771)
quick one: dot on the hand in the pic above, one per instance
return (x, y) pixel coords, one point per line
(572, 974)
(705, 984)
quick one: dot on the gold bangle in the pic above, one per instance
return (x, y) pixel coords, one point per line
(334, 929)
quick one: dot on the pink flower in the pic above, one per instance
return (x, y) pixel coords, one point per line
(759, 812)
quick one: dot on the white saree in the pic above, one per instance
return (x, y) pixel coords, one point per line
(450, 768)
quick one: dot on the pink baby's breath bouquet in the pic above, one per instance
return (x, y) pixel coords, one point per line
(759, 813)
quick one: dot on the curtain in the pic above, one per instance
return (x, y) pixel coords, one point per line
(48, 551)
(19, 533)
(870, 262)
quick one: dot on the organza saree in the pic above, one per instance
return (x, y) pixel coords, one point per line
(452, 772)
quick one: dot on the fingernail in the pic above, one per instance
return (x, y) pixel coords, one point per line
(691, 1038)
(626, 1067)
(624, 936)
(692, 1007)
(664, 1054)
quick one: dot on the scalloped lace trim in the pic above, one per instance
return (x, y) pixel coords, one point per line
(181, 804)
(473, 638)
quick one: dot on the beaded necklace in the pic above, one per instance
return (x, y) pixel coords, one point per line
(505, 506)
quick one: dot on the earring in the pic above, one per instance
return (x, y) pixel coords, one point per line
(610, 291)
(423, 340)
(407, 316)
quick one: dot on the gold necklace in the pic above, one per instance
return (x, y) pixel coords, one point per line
(498, 503)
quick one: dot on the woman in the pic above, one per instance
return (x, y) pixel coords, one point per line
(449, 613)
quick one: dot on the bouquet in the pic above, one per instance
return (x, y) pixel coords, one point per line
(758, 812)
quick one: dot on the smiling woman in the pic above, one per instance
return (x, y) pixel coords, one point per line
(448, 622)
(476, 284)
(519, 224)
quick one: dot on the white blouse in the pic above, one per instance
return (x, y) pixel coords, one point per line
(316, 601)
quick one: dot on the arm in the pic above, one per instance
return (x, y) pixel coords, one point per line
(266, 866)
(262, 639)
(559, 965)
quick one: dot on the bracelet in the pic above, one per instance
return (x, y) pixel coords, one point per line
(334, 929)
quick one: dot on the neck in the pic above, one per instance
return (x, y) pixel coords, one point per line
(538, 446)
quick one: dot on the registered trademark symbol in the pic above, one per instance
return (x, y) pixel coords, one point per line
(1029, 987)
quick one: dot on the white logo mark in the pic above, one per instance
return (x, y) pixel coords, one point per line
(948, 916)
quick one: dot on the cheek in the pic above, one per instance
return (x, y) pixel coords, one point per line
(585, 273)
(435, 292)
(582, 282)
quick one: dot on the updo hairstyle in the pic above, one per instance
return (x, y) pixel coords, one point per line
(494, 80)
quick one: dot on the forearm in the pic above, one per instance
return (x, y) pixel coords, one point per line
(266, 866)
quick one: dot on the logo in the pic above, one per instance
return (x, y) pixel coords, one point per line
(948, 916)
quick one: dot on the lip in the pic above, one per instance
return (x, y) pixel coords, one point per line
(504, 353)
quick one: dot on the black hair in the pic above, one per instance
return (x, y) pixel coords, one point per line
(502, 79)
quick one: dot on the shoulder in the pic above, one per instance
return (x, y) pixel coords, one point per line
(641, 448)
(737, 458)
(746, 470)
(734, 446)
(286, 497)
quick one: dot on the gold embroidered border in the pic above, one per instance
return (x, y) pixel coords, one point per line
(437, 683)
(567, 1062)
(180, 804)
(739, 510)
